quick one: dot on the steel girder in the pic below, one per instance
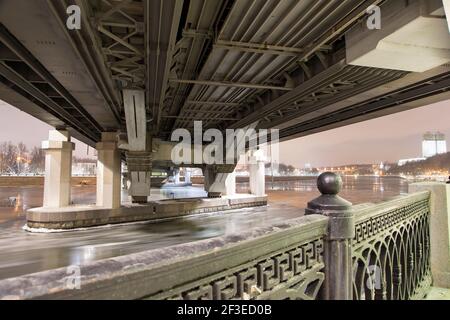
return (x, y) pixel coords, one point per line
(21, 72)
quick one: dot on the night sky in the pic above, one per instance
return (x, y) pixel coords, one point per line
(389, 138)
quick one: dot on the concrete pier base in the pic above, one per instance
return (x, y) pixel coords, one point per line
(90, 216)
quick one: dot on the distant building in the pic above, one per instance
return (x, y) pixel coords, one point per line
(433, 144)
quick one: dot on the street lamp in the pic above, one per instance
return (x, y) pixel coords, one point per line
(18, 164)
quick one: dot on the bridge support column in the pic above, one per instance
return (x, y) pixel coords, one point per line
(187, 175)
(108, 172)
(139, 171)
(220, 180)
(447, 11)
(58, 169)
(257, 174)
(139, 154)
(176, 176)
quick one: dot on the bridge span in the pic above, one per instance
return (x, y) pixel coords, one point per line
(123, 75)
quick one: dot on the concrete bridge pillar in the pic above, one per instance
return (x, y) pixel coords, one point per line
(257, 173)
(139, 146)
(108, 172)
(176, 176)
(139, 172)
(220, 180)
(58, 169)
(230, 184)
(187, 175)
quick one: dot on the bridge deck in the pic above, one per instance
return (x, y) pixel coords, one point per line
(227, 63)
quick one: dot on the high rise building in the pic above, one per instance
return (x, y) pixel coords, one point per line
(433, 144)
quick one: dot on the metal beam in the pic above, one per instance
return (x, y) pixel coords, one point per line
(90, 55)
(52, 106)
(207, 111)
(214, 103)
(114, 8)
(306, 88)
(15, 46)
(417, 91)
(338, 29)
(121, 41)
(191, 33)
(168, 21)
(230, 84)
(258, 48)
(199, 118)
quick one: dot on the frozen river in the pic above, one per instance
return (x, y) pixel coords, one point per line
(22, 252)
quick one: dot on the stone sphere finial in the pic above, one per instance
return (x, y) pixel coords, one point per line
(329, 183)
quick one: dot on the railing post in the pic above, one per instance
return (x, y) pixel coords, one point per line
(338, 241)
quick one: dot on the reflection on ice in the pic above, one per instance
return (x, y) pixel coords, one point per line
(22, 252)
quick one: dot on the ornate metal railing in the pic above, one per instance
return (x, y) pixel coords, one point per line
(285, 264)
(391, 249)
(374, 251)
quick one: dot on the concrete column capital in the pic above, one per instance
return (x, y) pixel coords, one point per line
(58, 145)
(107, 145)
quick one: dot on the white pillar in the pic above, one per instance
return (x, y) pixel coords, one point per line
(257, 174)
(439, 230)
(140, 186)
(108, 172)
(58, 169)
(176, 177)
(187, 175)
(139, 155)
(230, 184)
(447, 11)
(219, 183)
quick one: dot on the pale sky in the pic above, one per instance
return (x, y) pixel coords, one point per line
(389, 138)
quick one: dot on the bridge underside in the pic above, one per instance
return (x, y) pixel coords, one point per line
(144, 68)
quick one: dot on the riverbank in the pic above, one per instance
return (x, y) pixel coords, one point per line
(19, 181)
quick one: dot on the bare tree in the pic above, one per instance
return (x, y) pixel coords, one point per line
(22, 158)
(37, 163)
(8, 156)
(2, 158)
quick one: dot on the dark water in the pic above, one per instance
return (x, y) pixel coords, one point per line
(23, 253)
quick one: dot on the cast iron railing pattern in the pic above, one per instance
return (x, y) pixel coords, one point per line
(293, 272)
(391, 250)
